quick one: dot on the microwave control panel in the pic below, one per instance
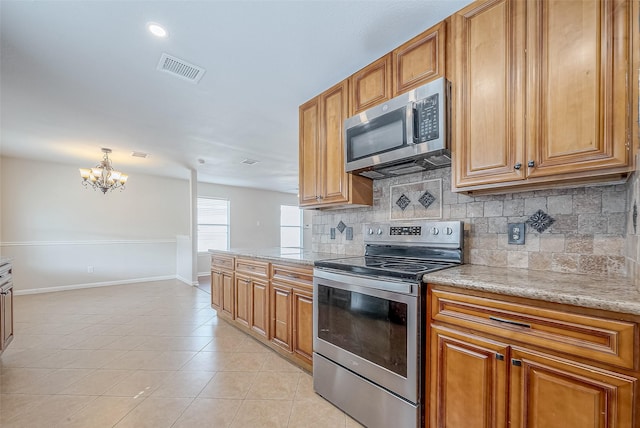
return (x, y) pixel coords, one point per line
(427, 119)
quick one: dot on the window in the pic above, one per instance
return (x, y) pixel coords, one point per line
(213, 224)
(290, 226)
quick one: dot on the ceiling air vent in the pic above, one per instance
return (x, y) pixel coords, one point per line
(140, 155)
(180, 68)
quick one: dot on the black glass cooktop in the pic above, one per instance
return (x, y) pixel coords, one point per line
(395, 267)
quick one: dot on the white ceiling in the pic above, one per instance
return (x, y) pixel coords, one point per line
(76, 76)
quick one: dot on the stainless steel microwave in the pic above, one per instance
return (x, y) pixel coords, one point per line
(408, 133)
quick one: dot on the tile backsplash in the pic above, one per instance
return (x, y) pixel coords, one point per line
(588, 230)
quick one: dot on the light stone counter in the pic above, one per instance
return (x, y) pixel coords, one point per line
(277, 254)
(612, 294)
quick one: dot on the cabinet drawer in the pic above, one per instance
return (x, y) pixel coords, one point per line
(219, 261)
(294, 275)
(592, 337)
(253, 267)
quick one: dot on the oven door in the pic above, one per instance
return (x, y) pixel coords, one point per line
(368, 330)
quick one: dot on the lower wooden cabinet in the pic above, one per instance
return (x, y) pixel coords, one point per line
(468, 380)
(303, 324)
(242, 295)
(6, 306)
(271, 302)
(489, 371)
(259, 307)
(291, 311)
(222, 278)
(549, 392)
(280, 299)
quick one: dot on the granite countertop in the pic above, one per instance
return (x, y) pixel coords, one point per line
(612, 294)
(277, 254)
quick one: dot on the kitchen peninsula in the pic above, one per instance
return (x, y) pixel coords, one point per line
(268, 293)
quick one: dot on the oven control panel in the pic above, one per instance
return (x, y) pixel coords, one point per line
(405, 230)
(439, 233)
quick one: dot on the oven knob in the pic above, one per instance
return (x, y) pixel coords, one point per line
(379, 231)
(448, 231)
(434, 231)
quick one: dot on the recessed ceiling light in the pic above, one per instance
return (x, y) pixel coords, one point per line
(157, 29)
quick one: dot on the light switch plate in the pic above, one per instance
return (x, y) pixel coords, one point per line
(516, 233)
(332, 232)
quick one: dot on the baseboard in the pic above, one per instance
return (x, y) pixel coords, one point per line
(187, 281)
(93, 285)
(201, 274)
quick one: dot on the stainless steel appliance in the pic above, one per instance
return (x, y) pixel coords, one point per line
(368, 312)
(406, 134)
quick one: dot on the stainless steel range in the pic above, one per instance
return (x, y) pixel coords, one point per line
(368, 312)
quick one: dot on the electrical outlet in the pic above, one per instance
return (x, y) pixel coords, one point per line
(516, 233)
(89, 269)
(332, 232)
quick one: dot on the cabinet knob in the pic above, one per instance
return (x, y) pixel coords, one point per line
(517, 166)
(531, 164)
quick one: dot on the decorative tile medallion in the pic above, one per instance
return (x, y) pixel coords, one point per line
(421, 200)
(403, 202)
(341, 226)
(540, 221)
(426, 199)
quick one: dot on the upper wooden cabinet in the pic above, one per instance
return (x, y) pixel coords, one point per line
(539, 92)
(323, 181)
(371, 85)
(420, 60)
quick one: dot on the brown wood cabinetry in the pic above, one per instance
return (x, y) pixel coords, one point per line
(291, 311)
(323, 180)
(6, 305)
(252, 307)
(499, 361)
(539, 92)
(222, 283)
(271, 302)
(420, 60)
(370, 86)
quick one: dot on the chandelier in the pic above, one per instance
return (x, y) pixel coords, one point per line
(102, 176)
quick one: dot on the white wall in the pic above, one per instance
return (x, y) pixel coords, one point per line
(255, 217)
(55, 228)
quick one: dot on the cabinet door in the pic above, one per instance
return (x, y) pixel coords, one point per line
(216, 290)
(468, 380)
(420, 60)
(259, 307)
(548, 392)
(333, 112)
(281, 310)
(309, 152)
(228, 295)
(6, 317)
(488, 93)
(243, 295)
(371, 85)
(577, 97)
(303, 324)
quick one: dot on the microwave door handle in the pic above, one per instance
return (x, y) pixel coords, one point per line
(416, 127)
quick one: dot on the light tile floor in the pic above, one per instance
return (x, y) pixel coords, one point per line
(147, 355)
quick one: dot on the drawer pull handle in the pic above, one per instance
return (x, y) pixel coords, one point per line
(499, 357)
(516, 362)
(519, 324)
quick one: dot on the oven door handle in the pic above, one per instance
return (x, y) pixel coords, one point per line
(372, 283)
